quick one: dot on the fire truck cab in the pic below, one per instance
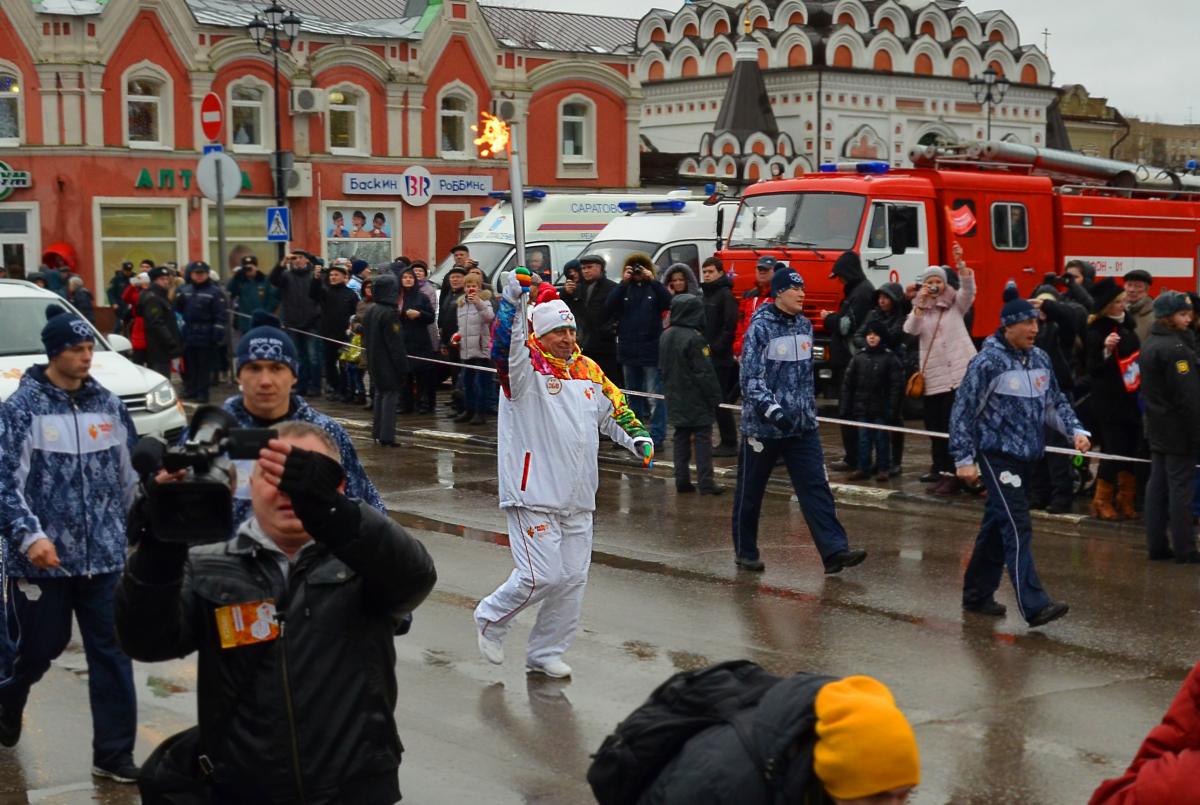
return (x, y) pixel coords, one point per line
(1012, 224)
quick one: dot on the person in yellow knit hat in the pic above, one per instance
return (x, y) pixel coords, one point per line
(810, 740)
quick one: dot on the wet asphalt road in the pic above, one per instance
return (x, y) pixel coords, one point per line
(1002, 713)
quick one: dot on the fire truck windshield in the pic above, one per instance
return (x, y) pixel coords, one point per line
(808, 220)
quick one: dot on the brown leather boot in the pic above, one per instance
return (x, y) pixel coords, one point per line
(1126, 494)
(1102, 502)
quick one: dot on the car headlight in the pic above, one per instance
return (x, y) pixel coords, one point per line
(161, 398)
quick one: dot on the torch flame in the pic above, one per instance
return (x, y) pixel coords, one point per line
(494, 136)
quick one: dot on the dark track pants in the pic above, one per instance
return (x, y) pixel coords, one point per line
(805, 463)
(1169, 504)
(45, 629)
(1005, 538)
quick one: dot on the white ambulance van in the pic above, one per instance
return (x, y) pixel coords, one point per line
(681, 229)
(558, 226)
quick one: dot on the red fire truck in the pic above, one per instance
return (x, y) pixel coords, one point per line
(1018, 212)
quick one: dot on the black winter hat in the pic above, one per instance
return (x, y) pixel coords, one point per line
(1169, 303)
(1139, 274)
(1103, 293)
(878, 327)
(1016, 309)
(63, 330)
(158, 271)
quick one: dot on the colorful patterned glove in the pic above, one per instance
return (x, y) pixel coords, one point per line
(524, 278)
(643, 448)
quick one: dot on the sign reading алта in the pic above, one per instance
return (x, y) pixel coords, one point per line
(393, 184)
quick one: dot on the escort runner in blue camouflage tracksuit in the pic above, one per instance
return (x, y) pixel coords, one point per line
(67, 475)
(779, 421)
(1007, 398)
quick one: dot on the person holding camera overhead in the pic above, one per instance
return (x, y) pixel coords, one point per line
(65, 455)
(294, 623)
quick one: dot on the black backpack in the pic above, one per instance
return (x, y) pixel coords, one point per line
(685, 705)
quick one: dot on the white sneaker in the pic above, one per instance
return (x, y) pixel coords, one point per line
(555, 669)
(491, 650)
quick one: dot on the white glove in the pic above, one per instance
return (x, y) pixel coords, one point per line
(512, 288)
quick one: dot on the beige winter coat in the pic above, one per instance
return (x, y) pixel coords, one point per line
(945, 357)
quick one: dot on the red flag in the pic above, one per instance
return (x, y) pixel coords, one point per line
(961, 220)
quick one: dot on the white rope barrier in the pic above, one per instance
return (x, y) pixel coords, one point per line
(1064, 451)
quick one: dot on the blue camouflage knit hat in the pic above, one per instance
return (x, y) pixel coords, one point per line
(63, 330)
(1015, 308)
(267, 342)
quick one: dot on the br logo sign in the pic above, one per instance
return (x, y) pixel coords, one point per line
(416, 186)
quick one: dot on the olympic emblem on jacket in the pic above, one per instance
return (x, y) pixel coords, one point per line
(553, 385)
(266, 349)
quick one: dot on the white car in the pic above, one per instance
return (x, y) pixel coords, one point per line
(149, 396)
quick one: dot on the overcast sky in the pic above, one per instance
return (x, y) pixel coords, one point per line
(1140, 55)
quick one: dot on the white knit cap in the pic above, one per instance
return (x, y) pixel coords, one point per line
(552, 315)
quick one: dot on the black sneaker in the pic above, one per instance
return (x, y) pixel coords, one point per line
(725, 450)
(123, 771)
(842, 560)
(10, 728)
(684, 489)
(712, 490)
(754, 565)
(1051, 612)
(991, 607)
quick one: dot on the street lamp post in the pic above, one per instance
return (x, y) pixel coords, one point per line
(990, 89)
(275, 31)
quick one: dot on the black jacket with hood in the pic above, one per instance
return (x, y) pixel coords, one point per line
(715, 767)
(308, 716)
(163, 339)
(873, 386)
(852, 313)
(898, 341)
(383, 336)
(597, 331)
(689, 379)
(338, 303)
(720, 319)
(297, 308)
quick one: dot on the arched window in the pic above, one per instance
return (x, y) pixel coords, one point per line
(453, 111)
(883, 62)
(1029, 75)
(959, 33)
(657, 71)
(248, 116)
(797, 57)
(724, 64)
(842, 57)
(763, 59)
(996, 35)
(658, 35)
(144, 111)
(923, 64)
(797, 18)
(886, 24)
(347, 121)
(961, 68)
(689, 67)
(690, 29)
(927, 28)
(762, 22)
(999, 68)
(10, 109)
(722, 27)
(846, 18)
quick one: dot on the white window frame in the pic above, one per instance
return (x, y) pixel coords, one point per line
(1007, 206)
(181, 229)
(394, 211)
(266, 114)
(362, 120)
(7, 68)
(149, 71)
(32, 239)
(577, 167)
(457, 89)
(208, 209)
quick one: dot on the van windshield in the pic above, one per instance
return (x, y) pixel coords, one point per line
(810, 220)
(21, 322)
(488, 253)
(615, 253)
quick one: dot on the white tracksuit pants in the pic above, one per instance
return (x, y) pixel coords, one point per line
(552, 554)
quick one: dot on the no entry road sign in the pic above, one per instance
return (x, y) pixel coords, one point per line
(212, 116)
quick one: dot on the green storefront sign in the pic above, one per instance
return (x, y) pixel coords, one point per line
(11, 180)
(169, 179)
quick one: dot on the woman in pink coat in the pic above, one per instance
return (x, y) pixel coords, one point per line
(937, 319)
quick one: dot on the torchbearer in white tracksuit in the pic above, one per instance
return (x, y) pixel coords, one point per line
(555, 402)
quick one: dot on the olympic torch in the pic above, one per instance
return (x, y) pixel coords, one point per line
(495, 136)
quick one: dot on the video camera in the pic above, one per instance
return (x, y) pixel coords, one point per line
(198, 508)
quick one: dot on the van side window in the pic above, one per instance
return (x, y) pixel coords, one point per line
(685, 253)
(1010, 226)
(894, 225)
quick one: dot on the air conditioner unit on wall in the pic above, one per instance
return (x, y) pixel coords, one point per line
(308, 100)
(299, 180)
(505, 110)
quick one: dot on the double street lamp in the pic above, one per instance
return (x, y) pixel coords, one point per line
(274, 32)
(990, 89)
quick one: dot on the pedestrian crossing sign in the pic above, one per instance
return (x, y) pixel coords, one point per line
(279, 225)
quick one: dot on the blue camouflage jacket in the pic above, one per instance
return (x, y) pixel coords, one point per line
(67, 476)
(358, 485)
(1007, 399)
(777, 372)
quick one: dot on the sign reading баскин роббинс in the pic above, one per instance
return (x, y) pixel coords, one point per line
(416, 185)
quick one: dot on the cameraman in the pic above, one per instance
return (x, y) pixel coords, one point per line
(293, 621)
